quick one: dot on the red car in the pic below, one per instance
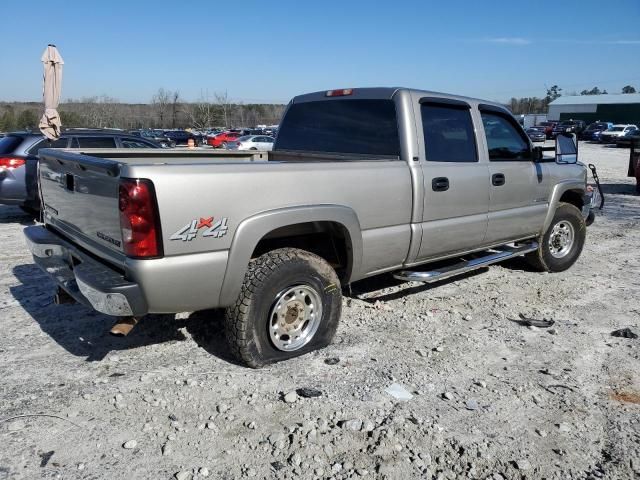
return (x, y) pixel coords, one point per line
(222, 138)
(548, 128)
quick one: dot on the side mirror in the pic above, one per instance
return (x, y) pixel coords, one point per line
(566, 148)
(537, 154)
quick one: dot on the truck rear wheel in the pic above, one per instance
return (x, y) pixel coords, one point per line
(289, 305)
(562, 243)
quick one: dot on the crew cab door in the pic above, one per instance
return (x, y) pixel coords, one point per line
(456, 199)
(517, 200)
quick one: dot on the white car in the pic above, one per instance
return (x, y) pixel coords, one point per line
(252, 142)
(615, 132)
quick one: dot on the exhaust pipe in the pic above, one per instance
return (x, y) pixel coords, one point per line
(123, 326)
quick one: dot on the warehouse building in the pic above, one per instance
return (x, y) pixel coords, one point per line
(616, 108)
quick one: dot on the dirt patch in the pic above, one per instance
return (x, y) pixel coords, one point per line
(626, 397)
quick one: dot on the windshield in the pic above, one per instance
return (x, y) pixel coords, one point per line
(597, 126)
(358, 126)
(244, 138)
(9, 143)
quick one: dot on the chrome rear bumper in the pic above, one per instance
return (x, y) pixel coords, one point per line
(88, 281)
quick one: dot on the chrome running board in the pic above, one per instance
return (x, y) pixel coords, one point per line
(490, 257)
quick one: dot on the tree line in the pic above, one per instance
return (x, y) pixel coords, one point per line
(165, 110)
(541, 105)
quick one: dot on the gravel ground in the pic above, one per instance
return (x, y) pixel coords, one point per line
(490, 398)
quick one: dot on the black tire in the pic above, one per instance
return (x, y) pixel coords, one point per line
(248, 322)
(543, 259)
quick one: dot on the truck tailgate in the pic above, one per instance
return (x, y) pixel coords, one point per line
(80, 199)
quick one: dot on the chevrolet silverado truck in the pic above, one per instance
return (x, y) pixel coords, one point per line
(361, 182)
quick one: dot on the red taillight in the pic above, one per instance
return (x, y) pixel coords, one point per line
(11, 162)
(139, 219)
(340, 93)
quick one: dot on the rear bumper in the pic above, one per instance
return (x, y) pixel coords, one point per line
(85, 279)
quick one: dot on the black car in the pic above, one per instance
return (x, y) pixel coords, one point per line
(570, 126)
(181, 137)
(158, 137)
(628, 138)
(19, 158)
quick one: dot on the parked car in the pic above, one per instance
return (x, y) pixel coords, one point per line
(252, 142)
(155, 136)
(536, 134)
(219, 140)
(593, 131)
(548, 128)
(569, 126)
(19, 158)
(628, 138)
(336, 201)
(181, 137)
(612, 134)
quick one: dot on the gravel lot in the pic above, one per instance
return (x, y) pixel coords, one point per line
(490, 398)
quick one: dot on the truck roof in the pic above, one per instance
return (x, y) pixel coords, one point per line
(388, 93)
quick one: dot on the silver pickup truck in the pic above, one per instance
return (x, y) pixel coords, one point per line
(361, 182)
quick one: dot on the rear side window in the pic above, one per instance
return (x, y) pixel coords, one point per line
(59, 143)
(364, 127)
(96, 142)
(9, 144)
(504, 140)
(448, 134)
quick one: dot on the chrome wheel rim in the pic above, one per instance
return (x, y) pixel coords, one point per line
(295, 317)
(561, 239)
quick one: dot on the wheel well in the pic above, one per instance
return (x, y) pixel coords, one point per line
(329, 240)
(574, 197)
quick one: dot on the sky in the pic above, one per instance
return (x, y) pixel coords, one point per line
(268, 52)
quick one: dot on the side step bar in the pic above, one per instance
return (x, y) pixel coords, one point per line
(490, 257)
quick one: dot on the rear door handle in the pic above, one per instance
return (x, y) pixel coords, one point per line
(498, 179)
(440, 184)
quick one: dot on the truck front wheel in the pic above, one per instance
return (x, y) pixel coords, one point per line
(562, 243)
(289, 305)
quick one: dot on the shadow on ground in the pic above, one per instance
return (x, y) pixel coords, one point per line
(10, 214)
(85, 333)
(619, 188)
(370, 286)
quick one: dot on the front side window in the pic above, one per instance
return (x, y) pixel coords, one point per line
(349, 126)
(504, 141)
(96, 142)
(448, 133)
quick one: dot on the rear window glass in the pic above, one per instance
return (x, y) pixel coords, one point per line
(96, 142)
(366, 127)
(9, 144)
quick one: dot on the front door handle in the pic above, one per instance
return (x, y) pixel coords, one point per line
(498, 179)
(440, 184)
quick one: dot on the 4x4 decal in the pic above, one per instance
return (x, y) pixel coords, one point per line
(213, 229)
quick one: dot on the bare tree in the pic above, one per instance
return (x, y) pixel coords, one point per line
(222, 99)
(201, 113)
(175, 99)
(160, 102)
